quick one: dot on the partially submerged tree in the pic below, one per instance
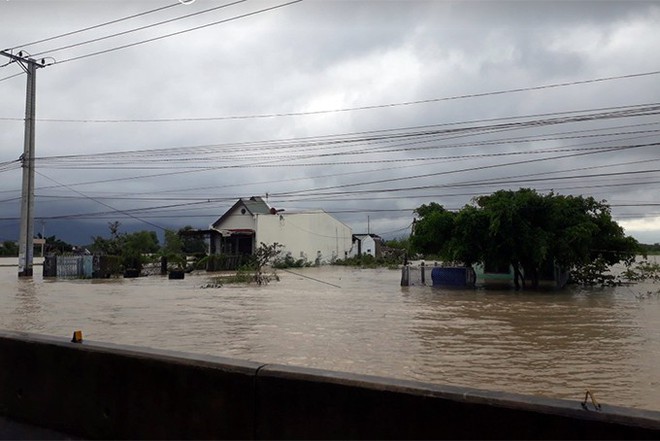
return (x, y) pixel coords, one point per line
(526, 230)
(131, 247)
(263, 256)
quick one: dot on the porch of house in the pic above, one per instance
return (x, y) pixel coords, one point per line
(230, 249)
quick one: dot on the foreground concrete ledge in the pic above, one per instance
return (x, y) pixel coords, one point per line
(103, 390)
(379, 398)
(164, 355)
(99, 390)
(649, 418)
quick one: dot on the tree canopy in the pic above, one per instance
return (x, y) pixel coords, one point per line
(524, 229)
(130, 246)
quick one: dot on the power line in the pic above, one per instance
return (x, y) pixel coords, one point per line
(394, 135)
(140, 28)
(9, 77)
(98, 25)
(370, 192)
(484, 167)
(103, 203)
(249, 14)
(119, 196)
(348, 109)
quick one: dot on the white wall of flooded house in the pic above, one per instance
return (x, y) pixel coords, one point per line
(308, 235)
(236, 219)
(367, 246)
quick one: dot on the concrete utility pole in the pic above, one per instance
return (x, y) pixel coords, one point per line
(26, 238)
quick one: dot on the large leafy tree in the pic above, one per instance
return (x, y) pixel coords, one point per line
(526, 230)
(191, 244)
(131, 247)
(8, 248)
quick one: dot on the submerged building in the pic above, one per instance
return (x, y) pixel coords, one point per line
(312, 235)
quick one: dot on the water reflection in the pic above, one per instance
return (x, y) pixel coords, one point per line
(26, 313)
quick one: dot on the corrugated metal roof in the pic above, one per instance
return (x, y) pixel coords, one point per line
(256, 205)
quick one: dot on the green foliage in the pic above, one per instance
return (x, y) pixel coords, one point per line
(363, 261)
(266, 253)
(223, 262)
(134, 248)
(263, 256)
(402, 243)
(191, 244)
(594, 273)
(9, 248)
(55, 246)
(111, 265)
(649, 249)
(243, 275)
(369, 261)
(289, 262)
(526, 230)
(642, 271)
(172, 251)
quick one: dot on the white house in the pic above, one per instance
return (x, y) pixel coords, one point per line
(366, 244)
(312, 235)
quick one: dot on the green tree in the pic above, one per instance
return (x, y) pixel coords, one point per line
(136, 248)
(133, 248)
(401, 243)
(191, 244)
(55, 245)
(434, 229)
(526, 230)
(263, 256)
(173, 249)
(9, 248)
(112, 246)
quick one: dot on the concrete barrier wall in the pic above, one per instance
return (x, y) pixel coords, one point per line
(104, 391)
(97, 390)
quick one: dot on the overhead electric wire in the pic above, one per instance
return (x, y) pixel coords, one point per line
(403, 133)
(436, 159)
(371, 192)
(149, 40)
(116, 210)
(215, 168)
(483, 167)
(140, 28)
(89, 28)
(352, 109)
(10, 77)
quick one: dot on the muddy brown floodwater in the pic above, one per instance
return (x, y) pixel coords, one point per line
(554, 344)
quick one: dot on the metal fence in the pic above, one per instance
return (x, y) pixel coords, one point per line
(85, 267)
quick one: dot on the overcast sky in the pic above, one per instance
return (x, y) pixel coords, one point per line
(365, 109)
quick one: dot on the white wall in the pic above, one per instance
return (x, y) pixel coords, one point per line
(368, 246)
(307, 233)
(236, 220)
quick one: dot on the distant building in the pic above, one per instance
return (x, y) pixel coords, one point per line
(312, 235)
(370, 244)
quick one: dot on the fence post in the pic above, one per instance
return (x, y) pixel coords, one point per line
(405, 275)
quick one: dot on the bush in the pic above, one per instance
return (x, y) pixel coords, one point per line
(289, 262)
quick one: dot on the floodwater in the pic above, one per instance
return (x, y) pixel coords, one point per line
(553, 344)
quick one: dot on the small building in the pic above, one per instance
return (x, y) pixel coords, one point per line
(311, 235)
(370, 244)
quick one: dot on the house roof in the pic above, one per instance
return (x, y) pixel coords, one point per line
(364, 236)
(254, 205)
